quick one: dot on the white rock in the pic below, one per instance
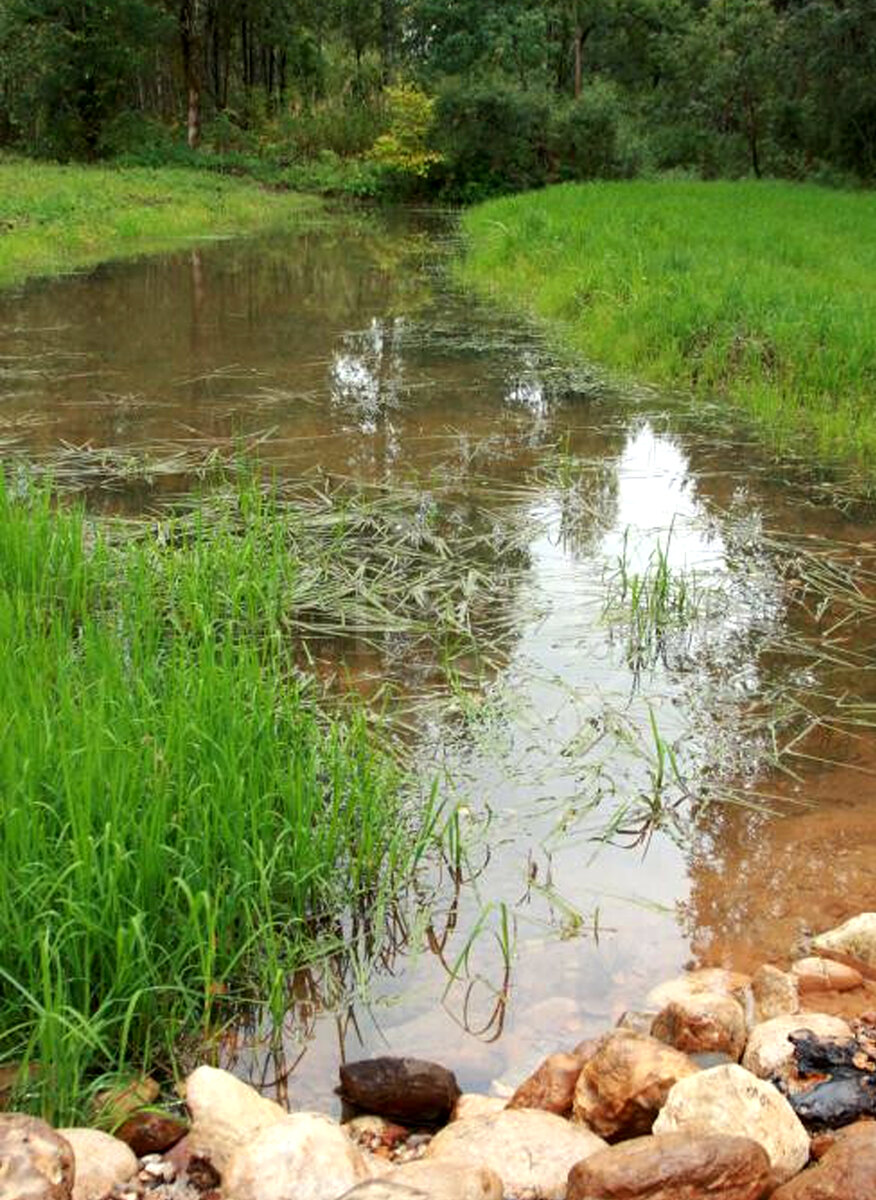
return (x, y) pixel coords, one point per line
(226, 1114)
(102, 1163)
(449, 1180)
(381, 1189)
(694, 983)
(770, 1051)
(730, 1100)
(854, 942)
(775, 993)
(474, 1104)
(531, 1151)
(305, 1156)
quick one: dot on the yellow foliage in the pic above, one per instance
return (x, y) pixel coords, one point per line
(404, 147)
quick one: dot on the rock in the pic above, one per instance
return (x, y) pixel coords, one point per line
(472, 1104)
(449, 1180)
(621, 1089)
(152, 1132)
(585, 1050)
(305, 1156)
(114, 1105)
(846, 1172)
(382, 1189)
(375, 1129)
(226, 1113)
(852, 943)
(102, 1162)
(833, 1081)
(707, 979)
(532, 1152)
(551, 1087)
(36, 1163)
(674, 1166)
(730, 1100)
(639, 1020)
(197, 1169)
(703, 1023)
(409, 1090)
(775, 993)
(770, 1052)
(825, 975)
(826, 1139)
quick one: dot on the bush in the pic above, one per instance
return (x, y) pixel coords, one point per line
(492, 138)
(403, 150)
(584, 135)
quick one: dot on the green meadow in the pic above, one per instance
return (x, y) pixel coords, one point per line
(758, 294)
(59, 218)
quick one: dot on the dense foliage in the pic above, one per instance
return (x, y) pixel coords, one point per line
(524, 91)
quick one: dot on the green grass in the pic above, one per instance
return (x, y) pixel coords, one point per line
(757, 293)
(55, 219)
(182, 820)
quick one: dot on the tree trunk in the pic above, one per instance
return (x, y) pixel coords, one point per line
(579, 57)
(190, 37)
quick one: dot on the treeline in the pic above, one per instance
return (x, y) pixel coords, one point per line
(473, 95)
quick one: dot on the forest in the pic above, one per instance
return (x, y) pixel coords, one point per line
(458, 98)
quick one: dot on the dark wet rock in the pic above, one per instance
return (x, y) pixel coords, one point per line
(622, 1087)
(703, 1023)
(825, 975)
(409, 1090)
(36, 1163)
(551, 1087)
(769, 1053)
(843, 1075)
(152, 1132)
(674, 1166)
(846, 1172)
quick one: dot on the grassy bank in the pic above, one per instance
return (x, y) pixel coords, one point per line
(760, 293)
(57, 218)
(183, 821)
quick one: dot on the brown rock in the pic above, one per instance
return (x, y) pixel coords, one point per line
(622, 1088)
(639, 1020)
(152, 1132)
(775, 993)
(674, 1166)
(825, 975)
(585, 1050)
(706, 979)
(116, 1104)
(409, 1090)
(826, 1139)
(473, 1104)
(703, 1023)
(846, 1172)
(770, 1051)
(35, 1162)
(551, 1087)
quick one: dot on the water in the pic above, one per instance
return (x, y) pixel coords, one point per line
(343, 353)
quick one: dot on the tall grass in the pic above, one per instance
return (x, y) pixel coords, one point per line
(181, 824)
(58, 218)
(759, 293)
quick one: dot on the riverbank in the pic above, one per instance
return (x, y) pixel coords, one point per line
(756, 294)
(55, 219)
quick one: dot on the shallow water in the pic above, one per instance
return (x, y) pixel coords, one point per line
(344, 353)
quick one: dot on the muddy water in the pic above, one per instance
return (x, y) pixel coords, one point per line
(344, 352)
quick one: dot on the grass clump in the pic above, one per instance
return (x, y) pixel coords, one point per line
(182, 823)
(757, 293)
(55, 219)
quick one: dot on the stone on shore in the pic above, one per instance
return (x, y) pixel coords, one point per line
(622, 1088)
(409, 1090)
(674, 1166)
(382, 1189)
(152, 1132)
(846, 1172)
(730, 1100)
(706, 979)
(226, 1113)
(775, 993)
(102, 1162)
(703, 1023)
(770, 1051)
(825, 975)
(474, 1104)
(852, 943)
(551, 1087)
(450, 1180)
(532, 1152)
(305, 1156)
(36, 1162)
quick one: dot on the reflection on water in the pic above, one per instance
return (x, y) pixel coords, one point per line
(574, 762)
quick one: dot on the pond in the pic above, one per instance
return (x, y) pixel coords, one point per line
(665, 755)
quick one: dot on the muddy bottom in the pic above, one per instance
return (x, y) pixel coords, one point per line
(581, 754)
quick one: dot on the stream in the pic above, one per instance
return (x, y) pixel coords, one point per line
(621, 805)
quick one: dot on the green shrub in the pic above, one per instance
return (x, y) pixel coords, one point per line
(403, 151)
(492, 138)
(584, 135)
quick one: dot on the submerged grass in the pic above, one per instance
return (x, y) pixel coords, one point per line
(760, 293)
(183, 821)
(55, 219)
